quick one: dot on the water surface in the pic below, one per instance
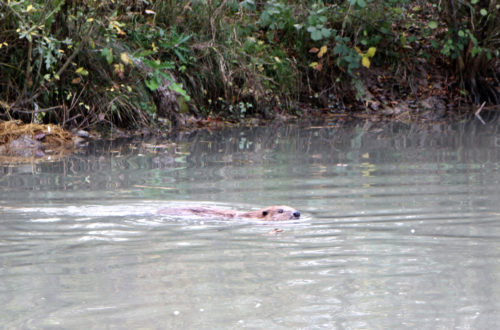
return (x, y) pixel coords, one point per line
(400, 229)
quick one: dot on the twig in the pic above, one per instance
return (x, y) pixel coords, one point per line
(72, 118)
(27, 77)
(39, 110)
(153, 187)
(477, 113)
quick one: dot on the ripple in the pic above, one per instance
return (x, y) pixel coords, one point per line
(397, 228)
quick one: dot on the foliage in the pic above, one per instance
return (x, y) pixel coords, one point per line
(316, 23)
(92, 62)
(472, 42)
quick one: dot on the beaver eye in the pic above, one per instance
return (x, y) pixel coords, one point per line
(264, 213)
(280, 211)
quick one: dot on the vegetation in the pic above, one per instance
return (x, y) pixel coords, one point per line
(127, 63)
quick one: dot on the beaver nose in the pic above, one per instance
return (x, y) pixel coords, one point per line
(296, 214)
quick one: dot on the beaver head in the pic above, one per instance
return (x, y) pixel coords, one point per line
(281, 212)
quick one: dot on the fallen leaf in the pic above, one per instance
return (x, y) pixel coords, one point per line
(365, 61)
(371, 51)
(322, 51)
(125, 59)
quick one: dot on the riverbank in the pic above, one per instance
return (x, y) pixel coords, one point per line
(162, 67)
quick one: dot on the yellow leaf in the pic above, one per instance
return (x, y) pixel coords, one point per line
(313, 65)
(277, 59)
(125, 59)
(356, 48)
(90, 19)
(119, 31)
(365, 62)
(371, 51)
(29, 8)
(322, 51)
(81, 71)
(116, 25)
(118, 68)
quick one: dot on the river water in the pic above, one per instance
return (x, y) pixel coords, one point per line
(400, 229)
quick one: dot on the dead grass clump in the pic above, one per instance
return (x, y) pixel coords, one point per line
(48, 134)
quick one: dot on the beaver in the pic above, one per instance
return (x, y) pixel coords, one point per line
(269, 213)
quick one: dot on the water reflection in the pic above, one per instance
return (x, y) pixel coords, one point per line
(400, 230)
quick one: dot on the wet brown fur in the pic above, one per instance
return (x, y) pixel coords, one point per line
(270, 213)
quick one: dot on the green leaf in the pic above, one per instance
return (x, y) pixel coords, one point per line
(108, 54)
(249, 5)
(184, 39)
(153, 83)
(326, 32)
(178, 88)
(474, 2)
(316, 35)
(433, 24)
(483, 12)
(473, 39)
(461, 33)
(145, 53)
(179, 55)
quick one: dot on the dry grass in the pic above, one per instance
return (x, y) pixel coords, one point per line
(57, 142)
(54, 135)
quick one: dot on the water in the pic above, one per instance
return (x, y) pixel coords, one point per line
(400, 229)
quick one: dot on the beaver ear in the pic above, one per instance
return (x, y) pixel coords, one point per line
(264, 213)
